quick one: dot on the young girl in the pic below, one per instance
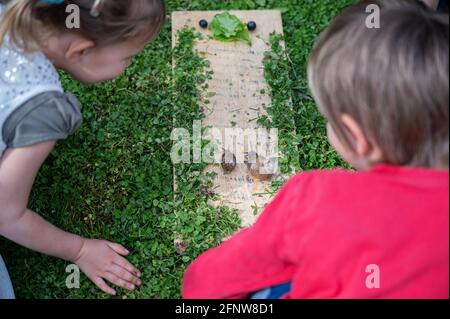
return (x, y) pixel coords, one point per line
(381, 232)
(35, 112)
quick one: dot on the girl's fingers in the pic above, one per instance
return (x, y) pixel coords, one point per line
(122, 262)
(125, 275)
(100, 283)
(112, 278)
(118, 248)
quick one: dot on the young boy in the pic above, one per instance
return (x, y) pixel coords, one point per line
(381, 232)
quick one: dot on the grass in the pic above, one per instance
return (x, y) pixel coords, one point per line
(113, 178)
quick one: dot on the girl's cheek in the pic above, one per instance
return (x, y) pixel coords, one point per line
(121, 67)
(128, 63)
(118, 70)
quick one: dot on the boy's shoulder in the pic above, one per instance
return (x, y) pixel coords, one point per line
(382, 171)
(316, 177)
(380, 178)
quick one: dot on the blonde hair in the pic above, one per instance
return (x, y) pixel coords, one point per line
(17, 22)
(393, 80)
(118, 20)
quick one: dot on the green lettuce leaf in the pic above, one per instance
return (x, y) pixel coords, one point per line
(226, 27)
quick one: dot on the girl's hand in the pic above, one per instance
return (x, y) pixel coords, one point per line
(101, 260)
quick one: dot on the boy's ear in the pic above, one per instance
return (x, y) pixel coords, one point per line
(77, 48)
(361, 143)
(364, 148)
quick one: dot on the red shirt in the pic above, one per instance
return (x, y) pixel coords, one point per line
(325, 228)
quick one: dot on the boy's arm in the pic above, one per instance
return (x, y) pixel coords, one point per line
(100, 260)
(252, 259)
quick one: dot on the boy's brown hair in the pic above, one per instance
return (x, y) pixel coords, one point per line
(392, 80)
(118, 20)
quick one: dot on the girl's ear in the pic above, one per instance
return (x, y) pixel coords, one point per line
(77, 48)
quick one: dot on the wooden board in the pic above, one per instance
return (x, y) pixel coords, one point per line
(241, 93)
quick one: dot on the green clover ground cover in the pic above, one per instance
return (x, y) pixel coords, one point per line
(113, 178)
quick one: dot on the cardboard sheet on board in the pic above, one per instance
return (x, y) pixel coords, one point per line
(241, 93)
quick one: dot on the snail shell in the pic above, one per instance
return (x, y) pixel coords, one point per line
(258, 167)
(228, 161)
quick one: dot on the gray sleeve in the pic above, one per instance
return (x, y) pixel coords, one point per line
(46, 117)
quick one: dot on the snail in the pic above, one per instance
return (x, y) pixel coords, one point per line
(180, 245)
(228, 161)
(259, 167)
